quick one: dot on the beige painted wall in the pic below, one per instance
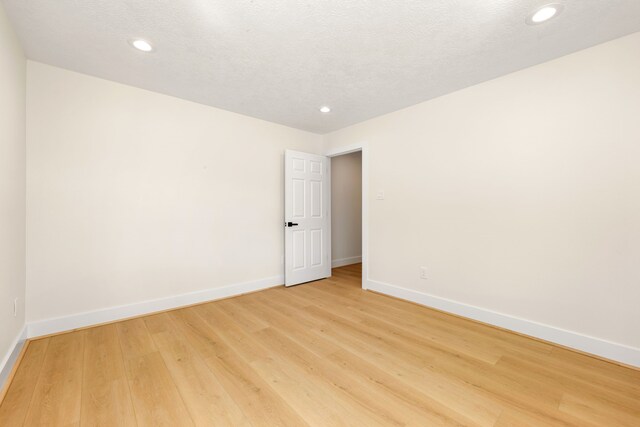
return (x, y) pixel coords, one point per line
(133, 195)
(12, 185)
(521, 195)
(346, 206)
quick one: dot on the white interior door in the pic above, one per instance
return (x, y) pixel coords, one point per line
(307, 198)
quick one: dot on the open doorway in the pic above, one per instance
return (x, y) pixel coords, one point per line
(346, 218)
(308, 187)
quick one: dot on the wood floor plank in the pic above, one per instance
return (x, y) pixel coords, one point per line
(562, 379)
(135, 339)
(262, 405)
(156, 399)
(409, 310)
(306, 394)
(106, 399)
(325, 353)
(458, 337)
(513, 417)
(302, 396)
(502, 387)
(57, 397)
(431, 321)
(318, 406)
(445, 390)
(614, 375)
(598, 410)
(13, 409)
(449, 342)
(205, 398)
(482, 410)
(604, 368)
(247, 321)
(295, 324)
(233, 337)
(388, 408)
(436, 413)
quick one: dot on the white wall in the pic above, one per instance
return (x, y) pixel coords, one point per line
(133, 195)
(521, 195)
(346, 208)
(12, 188)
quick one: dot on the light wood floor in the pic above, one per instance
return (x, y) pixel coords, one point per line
(323, 354)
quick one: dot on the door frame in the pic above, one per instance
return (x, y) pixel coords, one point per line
(334, 152)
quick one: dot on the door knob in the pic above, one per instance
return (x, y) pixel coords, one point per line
(290, 224)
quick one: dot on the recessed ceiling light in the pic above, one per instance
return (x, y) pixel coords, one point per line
(544, 13)
(325, 109)
(142, 45)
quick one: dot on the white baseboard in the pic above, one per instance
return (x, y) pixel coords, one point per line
(12, 355)
(80, 320)
(345, 261)
(596, 346)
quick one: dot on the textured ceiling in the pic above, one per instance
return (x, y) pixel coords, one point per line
(279, 60)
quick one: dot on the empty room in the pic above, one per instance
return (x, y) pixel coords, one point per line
(320, 213)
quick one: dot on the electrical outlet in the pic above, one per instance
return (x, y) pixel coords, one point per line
(423, 273)
(380, 195)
